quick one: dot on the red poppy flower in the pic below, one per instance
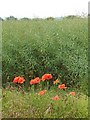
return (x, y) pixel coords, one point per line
(15, 80)
(55, 98)
(35, 81)
(32, 82)
(19, 80)
(42, 92)
(72, 93)
(46, 77)
(56, 81)
(62, 86)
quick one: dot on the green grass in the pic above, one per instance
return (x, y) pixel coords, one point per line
(30, 105)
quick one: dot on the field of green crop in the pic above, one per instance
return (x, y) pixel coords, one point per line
(31, 48)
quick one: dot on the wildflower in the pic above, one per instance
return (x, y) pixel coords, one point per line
(46, 77)
(32, 82)
(21, 80)
(55, 98)
(62, 86)
(18, 80)
(35, 81)
(72, 93)
(56, 81)
(42, 92)
(15, 80)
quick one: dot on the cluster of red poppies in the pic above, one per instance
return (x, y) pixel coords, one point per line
(37, 80)
(33, 81)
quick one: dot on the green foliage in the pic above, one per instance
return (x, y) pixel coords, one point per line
(50, 18)
(32, 48)
(73, 17)
(11, 18)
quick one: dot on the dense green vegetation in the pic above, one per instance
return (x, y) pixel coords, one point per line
(31, 48)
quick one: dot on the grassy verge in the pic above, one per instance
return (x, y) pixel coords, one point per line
(18, 104)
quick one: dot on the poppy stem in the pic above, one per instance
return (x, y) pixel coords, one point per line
(44, 85)
(35, 87)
